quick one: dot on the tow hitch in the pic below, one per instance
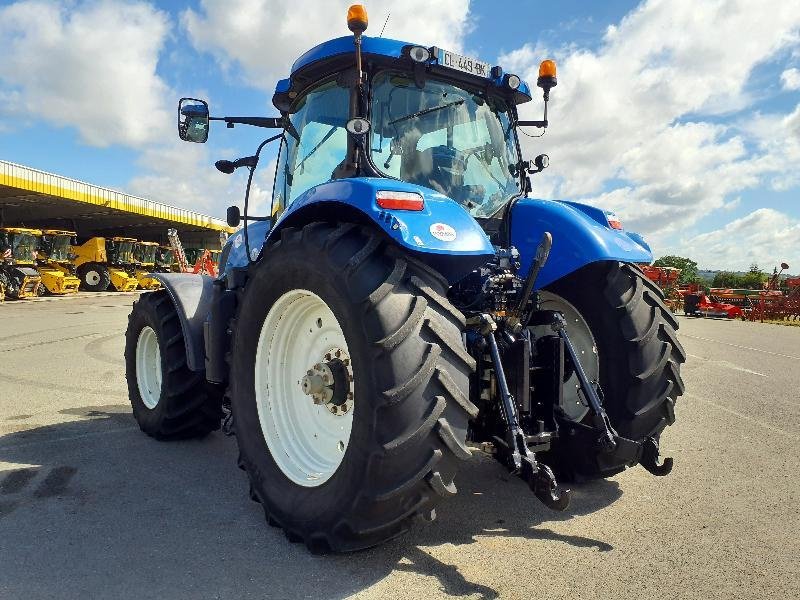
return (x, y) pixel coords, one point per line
(520, 459)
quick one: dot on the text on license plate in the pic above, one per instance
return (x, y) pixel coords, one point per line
(463, 63)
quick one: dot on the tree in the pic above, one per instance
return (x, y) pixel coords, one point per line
(687, 266)
(754, 279)
(726, 279)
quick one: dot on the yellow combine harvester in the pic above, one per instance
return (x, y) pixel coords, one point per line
(53, 263)
(144, 258)
(18, 278)
(100, 262)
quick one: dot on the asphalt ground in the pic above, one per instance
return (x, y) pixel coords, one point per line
(92, 508)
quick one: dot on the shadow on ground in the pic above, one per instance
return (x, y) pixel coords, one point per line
(96, 509)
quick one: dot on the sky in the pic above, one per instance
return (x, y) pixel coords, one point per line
(681, 116)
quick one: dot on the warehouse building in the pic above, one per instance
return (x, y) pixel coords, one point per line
(33, 198)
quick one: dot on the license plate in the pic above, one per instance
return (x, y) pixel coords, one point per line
(465, 64)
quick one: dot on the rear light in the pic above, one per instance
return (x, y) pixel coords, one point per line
(613, 221)
(399, 200)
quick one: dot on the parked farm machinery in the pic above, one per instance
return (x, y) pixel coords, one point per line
(18, 275)
(54, 264)
(144, 263)
(103, 262)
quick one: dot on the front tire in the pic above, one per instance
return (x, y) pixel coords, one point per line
(639, 358)
(410, 404)
(169, 401)
(94, 277)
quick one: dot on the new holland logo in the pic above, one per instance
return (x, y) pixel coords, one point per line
(443, 231)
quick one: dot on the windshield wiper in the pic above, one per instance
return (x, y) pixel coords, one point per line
(425, 111)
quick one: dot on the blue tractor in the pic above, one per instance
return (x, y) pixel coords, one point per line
(404, 303)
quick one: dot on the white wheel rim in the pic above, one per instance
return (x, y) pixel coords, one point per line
(148, 367)
(92, 277)
(306, 440)
(574, 404)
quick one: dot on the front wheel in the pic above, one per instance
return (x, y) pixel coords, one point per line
(169, 401)
(349, 387)
(626, 338)
(94, 277)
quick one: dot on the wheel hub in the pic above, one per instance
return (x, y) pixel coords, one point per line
(331, 382)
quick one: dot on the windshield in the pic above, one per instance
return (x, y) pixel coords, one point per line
(319, 118)
(23, 247)
(61, 248)
(145, 254)
(444, 138)
(120, 252)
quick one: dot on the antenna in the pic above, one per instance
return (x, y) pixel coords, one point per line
(384, 24)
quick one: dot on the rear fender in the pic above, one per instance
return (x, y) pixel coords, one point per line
(443, 234)
(581, 235)
(191, 295)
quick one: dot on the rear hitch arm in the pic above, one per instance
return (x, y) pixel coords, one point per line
(607, 440)
(539, 477)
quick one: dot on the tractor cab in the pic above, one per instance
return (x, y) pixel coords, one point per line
(53, 262)
(440, 121)
(18, 245)
(55, 244)
(144, 253)
(120, 250)
(144, 259)
(18, 251)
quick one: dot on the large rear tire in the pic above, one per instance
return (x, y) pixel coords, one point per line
(169, 401)
(639, 360)
(409, 408)
(94, 277)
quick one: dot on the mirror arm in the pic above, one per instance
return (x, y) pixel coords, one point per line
(531, 123)
(269, 122)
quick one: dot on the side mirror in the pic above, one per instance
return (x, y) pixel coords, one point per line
(233, 216)
(193, 120)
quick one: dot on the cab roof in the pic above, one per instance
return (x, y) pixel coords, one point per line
(22, 230)
(58, 232)
(384, 47)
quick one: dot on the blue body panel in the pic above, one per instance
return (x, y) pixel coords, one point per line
(581, 235)
(410, 229)
(237, 257)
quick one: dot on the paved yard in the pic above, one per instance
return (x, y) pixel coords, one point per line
(92, 508)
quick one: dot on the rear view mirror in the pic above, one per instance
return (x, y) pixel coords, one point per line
(193, 120)
(233, 216)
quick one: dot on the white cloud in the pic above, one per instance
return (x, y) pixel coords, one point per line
(264, 37)
(635, 114)
(183, 174)
(790, 79)
(91, 66)
(766, 236)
